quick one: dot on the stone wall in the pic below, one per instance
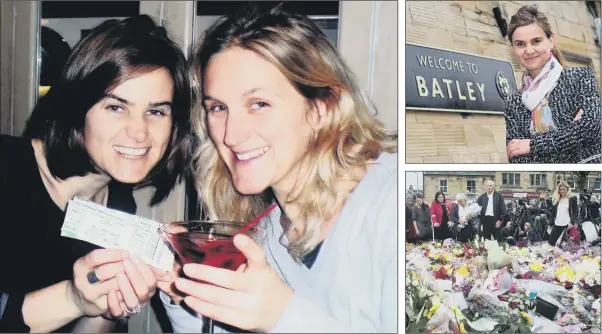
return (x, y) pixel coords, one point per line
(469, 26)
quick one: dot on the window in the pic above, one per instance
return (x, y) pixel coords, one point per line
(471, 186)
(511, 179)
(538, 180)
(597, 184)
(570, 181)
(443, 186)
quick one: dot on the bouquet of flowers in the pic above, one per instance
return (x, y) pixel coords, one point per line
(471, 211)
(418, 300)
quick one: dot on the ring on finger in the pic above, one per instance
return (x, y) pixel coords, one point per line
(92, 278)
(134, 310)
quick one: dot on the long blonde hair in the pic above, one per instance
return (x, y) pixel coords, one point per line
(351, 137)
(556, 196)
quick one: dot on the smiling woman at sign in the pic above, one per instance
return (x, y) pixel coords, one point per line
(555, 118)
(118, 117)
(282, 120)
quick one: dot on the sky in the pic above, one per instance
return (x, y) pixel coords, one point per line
(415, 179)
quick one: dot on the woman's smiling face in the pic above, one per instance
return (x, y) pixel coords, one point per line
(531, 47)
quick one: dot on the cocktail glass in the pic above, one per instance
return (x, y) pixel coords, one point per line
(209, 243)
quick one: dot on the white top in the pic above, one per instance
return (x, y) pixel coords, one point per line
(562, 214)
(352, 286)
(461, 211)
(489, 211)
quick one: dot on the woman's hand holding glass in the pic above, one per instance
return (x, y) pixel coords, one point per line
(251, 298)
(123, 284)
(166, 282)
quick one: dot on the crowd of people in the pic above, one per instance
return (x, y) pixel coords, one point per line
(489, 216)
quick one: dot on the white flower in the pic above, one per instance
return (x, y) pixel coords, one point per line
(415, 283)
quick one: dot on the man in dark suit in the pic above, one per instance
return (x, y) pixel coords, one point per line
(493, 211)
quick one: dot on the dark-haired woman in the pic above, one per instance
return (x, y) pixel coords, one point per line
(441, 210)
(117, 118)
(555, 118)
(421, 219)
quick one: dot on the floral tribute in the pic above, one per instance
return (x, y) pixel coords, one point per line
(488, 287)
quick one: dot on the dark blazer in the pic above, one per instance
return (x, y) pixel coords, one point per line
(573, 141)
(499, 208)
(573, 210)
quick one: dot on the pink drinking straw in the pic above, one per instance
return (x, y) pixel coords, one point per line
(257, 219)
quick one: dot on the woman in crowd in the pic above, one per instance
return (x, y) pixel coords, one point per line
(421, 219)
(282, 120)
(564, 211)
(441, 209)
(411, 235)
(118, 117)
(459, 218)
(555, 118)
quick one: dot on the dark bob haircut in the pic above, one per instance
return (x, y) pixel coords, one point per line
(112, 53)
(437, 196)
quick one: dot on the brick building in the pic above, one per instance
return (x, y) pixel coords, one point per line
(510, 184)
(470, 27)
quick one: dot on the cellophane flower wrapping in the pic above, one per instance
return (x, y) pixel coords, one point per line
(569, 279)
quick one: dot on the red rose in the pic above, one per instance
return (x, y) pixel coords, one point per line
(568, 285)
(556, 279)
(527, 276)
(501, 297)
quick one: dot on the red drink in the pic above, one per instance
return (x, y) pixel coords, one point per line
(208, 242)
(212, 250)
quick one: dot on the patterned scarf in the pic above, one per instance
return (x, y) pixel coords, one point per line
(535, 92)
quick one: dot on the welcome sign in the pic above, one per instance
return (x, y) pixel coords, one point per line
(453, 81)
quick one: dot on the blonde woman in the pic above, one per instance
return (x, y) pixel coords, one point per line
(564, 211)
(282, 120)
(555, 118)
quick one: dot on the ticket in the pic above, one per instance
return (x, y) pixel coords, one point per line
(108, 228)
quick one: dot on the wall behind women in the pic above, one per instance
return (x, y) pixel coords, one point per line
(18, 63)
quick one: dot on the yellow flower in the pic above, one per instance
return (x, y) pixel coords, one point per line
(565, 273)
(447, 257)
(462, 328)
(527, 317)
(458, 314)
(523, 251)
(433, 310)
(437, 256)
(536, 266)
(463, 271)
